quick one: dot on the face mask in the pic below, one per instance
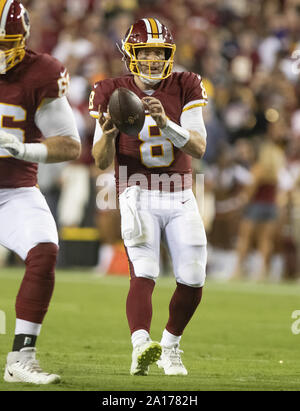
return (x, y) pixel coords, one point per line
(2, 63)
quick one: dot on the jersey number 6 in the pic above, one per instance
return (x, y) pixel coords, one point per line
(16, 114)
(63, 83)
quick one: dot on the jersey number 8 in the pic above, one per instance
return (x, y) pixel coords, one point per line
(156, 150)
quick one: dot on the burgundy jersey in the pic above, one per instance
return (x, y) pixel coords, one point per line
(22, 90)
(150, 154)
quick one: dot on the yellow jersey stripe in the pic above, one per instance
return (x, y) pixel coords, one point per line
(193, 106)
(154, 28)
(94, 114)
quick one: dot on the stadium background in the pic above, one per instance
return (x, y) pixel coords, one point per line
(243, 49)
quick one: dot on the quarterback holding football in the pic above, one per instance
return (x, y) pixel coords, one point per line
(173, 133)
(37, 125)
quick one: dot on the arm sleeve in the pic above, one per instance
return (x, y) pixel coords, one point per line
(56, 118)
(192, 119)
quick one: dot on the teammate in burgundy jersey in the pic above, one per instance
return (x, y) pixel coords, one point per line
(23, 90)
(173, 132)
(36, 125)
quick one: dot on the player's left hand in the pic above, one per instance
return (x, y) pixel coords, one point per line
(156, 110)
(11, 143)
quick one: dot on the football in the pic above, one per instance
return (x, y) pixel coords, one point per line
(127, 111)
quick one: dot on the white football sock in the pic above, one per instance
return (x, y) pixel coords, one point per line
(169, 340)
(27, 327)
(139, 337)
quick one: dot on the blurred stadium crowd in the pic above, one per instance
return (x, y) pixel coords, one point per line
(247, 54)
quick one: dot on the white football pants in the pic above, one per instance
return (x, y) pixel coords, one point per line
(25, 220)
(175, 218)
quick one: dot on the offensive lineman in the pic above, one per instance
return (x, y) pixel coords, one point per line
(173, 132)
(33, 104)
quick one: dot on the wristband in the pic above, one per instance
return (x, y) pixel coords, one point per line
(35, 153)
(178, 135)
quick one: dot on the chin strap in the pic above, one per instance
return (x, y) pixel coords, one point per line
(149, 81)
(124, 57)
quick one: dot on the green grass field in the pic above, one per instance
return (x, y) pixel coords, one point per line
(239, 339)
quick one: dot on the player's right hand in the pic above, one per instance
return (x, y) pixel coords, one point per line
(12, 144)
(156, 110)
(108, 127)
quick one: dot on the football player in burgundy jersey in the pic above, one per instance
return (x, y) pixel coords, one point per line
(36, 125)
(153, 178)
